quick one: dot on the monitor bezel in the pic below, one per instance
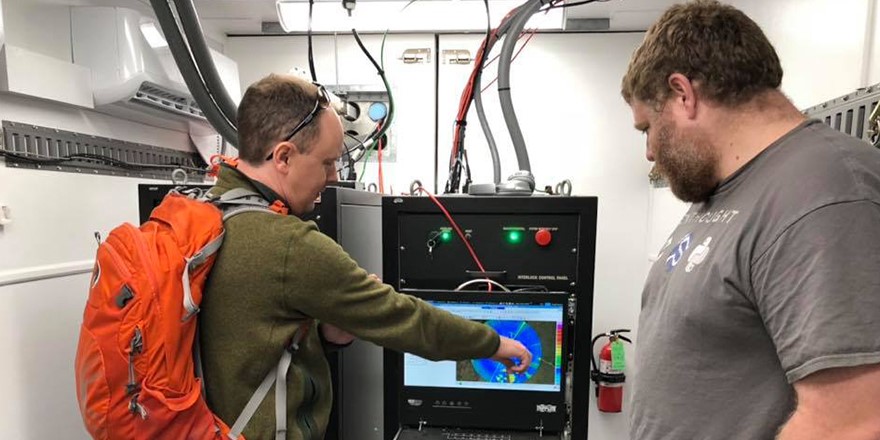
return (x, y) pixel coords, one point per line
(486, 408)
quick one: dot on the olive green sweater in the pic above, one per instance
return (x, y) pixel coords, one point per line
(274, 272)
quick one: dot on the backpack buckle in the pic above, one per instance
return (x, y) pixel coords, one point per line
(279, 207)
(292, 345)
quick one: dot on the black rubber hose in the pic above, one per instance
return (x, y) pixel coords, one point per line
(311, 53)
(192, 31)
(190, 75)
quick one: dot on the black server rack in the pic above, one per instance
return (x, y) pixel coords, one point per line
(529, 243)
(150, 195)
(353, 218)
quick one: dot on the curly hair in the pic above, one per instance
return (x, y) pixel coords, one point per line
(714, 45)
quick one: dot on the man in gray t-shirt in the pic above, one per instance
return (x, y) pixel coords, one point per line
(761, 316)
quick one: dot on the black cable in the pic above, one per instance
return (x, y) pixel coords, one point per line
(359, 146)
(198, 47)
(467, 172)
(311, 53)
(568, 5)
(190, 74)
(386, 122)
(131, 166)
(436, 117)
(97, 157)
(349, 165)
(367, 52)
(28, 159)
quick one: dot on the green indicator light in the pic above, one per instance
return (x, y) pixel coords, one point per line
(514, 237)
(446, 236)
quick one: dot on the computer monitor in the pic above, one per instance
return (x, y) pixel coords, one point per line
(480, 393)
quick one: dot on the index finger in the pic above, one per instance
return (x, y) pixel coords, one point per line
(525, 359)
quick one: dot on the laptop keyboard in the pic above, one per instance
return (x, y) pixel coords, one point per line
(475, 436)
(462, 434)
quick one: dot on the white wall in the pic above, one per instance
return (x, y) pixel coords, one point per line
(39, 327)
(49, 35)
(820, 43)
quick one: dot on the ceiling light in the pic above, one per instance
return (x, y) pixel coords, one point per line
(421, 16)
(152, 35)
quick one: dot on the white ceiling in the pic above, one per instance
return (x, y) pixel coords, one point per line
(221, 17)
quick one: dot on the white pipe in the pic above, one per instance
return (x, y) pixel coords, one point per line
(49, 271)
(868, 46)
(336, 56)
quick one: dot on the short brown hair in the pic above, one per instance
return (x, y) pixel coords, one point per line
(270, 108)
(716, 46)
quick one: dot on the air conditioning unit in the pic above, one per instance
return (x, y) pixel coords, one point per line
(133, 73)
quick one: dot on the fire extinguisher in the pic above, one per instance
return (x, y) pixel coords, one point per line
(609, 374)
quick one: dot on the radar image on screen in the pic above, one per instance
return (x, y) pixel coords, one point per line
(539, 337)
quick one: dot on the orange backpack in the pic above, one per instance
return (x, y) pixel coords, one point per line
(136, 373)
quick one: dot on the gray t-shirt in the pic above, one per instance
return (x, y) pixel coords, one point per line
(775, 277)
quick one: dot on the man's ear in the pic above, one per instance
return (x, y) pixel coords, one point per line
(283, 153)
(683, 95)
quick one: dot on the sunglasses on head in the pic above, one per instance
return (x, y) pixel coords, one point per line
(321, 102)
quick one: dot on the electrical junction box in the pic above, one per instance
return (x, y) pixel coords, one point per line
(365, 106)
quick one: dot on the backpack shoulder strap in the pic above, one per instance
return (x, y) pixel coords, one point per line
(230, 203)
(237, 201)
(277, 376)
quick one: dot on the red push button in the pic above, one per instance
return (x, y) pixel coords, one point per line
(543, 237)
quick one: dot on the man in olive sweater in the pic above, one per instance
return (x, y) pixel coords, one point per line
(276, 272)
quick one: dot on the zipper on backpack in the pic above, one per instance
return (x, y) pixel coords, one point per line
(117, 260)
(132, 388)
(145, 256)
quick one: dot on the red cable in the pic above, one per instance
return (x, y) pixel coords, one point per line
(381, 177)
(457, 229)
(467, 95)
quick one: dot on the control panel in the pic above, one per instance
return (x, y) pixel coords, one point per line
(517, 250)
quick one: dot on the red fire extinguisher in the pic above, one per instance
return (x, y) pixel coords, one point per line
(609, 374)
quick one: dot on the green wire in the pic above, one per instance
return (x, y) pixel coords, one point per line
(382, 50)
(366, 158)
